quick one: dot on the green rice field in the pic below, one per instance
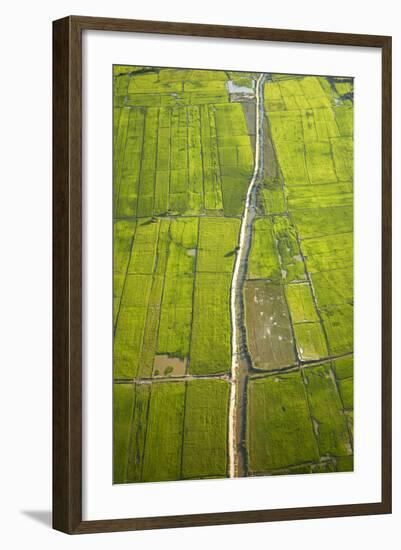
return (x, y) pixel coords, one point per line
(184, 157)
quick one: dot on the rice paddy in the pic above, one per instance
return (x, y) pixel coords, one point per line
(184, 155)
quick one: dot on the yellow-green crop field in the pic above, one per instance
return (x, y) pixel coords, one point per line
(184, 158)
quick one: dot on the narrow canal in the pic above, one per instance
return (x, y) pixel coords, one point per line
(240, 358)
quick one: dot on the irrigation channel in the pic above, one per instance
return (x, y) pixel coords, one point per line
(240, 359)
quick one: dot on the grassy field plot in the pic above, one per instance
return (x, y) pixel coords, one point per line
(272, 199)
(344, 367)
(289, 253)
(211, 328)
(342, 150)
(263, 259)
(329, 252)
(210, 161)
(218, 238)
(316, 197)
(236, 160)
(327, 411)
(176, 312)
(122, 238)
(333, 287)
(345, 120)
(319, 222)
(127, 171)
(280, 429)
(205, 429)
(300, 303)
(123, 400)
(339, 325)
(149, 343)
(130, 327)
(164, 432)
(347, 393)
(138, 432)
(310, 340)
(319, 163)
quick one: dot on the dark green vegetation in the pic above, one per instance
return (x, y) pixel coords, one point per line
(184, 143)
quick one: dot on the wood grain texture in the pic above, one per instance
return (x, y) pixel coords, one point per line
(67, 274)
(386, 273)
(225, 31)
(67, 277)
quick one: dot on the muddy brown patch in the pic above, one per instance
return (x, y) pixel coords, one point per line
(268, 326)
(169, 366)
(249, 108)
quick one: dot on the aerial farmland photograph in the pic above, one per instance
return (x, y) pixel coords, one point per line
(232, 274)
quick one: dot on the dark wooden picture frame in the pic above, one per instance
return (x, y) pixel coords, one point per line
(67, 274)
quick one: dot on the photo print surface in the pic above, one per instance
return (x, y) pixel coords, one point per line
(233, 274)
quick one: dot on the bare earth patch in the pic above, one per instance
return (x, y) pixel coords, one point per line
(169, 366)
(269, 333)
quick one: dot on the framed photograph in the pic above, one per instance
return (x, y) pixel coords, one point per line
(222, 274)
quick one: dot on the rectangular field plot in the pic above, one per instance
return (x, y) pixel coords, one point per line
(279, 428)
(319, 222)
(205, 429)
(310, 340)
(288, 249)
(149, 341)
(128, 159)
(344, 367)
(123, 400)
(218, 238)
(138, 288)
(130, 327)
(300, 303)
(122, 238)
(171, 431)
(211, 329)
(327, 411)
(138, 432)
(272, 199)
(319, 163)
(339, 325)
(236, 158)
(346, 388)
(162, 458)
(318, 197)
(334, 287)
(263, 259)
(213, 199)
(330, 252)
(275, 253)
(269, 335)
(176, 309)
(143, 254)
